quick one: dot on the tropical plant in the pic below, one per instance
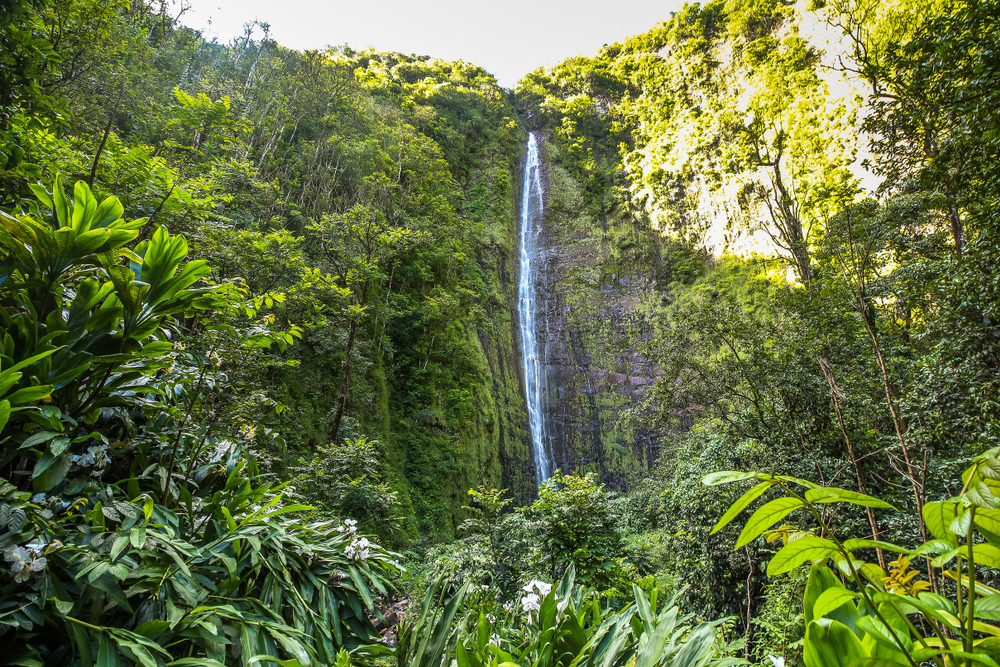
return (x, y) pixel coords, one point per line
(567, 624)
(136, 533)
(902, 617)
(486, 514)
(576, 526)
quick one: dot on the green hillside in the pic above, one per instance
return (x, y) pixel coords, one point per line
(261, 393)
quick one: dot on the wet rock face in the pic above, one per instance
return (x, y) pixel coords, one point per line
(593, 336)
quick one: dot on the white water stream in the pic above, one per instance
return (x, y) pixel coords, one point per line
(534, 371)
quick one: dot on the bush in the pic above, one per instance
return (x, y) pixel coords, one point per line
(136, 525)
(576, 525)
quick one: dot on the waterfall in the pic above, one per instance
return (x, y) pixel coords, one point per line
(534, 371)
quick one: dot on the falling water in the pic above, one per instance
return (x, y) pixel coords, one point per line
(534, 371)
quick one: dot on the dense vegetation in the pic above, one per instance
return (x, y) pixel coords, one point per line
(258, 330)
(853, 338)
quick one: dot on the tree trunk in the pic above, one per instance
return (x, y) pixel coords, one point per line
(345, 375)
(835, 397)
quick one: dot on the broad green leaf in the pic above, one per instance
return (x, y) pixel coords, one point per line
(650, 654)
(41, 194)
(885, 638)
(84, 207)
(832, 599)
(270, 658)
(821, 579)
(830, 643)
(30, 394)
(920, 655)
(854, 543)
(988, 607)
(698, 647)
(961, 523)
(939, 515)
(829, 494)
(741, 504)
(726, 477)
(107, 653)
(799, 551)
(765, 517)
(986, 554)
(988, 521)
(62, 208)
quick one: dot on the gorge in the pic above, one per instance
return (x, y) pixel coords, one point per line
(683, 352)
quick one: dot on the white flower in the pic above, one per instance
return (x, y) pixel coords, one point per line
(358, 548)
(777, 662)
(38, 498)
(16, 555)
(22, 564)
(542, 587)
(38, 546)
(530, 602)
(96, 455)
(351, 523)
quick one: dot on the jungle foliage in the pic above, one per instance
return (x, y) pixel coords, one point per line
(256, 316)
(844, 332)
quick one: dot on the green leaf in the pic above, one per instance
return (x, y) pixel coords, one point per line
(698, 647)
(988, 520)
(741, 504)
(920, 655)
(107, 654)
(830, 643)
(960, 524)
(986, 554)
(62, 206)
(883, 635)
(41, 194)
(939, 515)
(828, 494)
(270, 658)
(822, 579)
(832, 599)
(120, 543)
(30, 394)
(765, 517)
(854, 543)
(726, 477)
(797, 552)
(988, 607)
(83, 208)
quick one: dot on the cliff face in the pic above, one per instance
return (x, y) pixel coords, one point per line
(507, 426)
(595, 275)
(663, 150)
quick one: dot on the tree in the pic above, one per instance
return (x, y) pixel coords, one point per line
(576, 526)
(487, 509)
(359, 245)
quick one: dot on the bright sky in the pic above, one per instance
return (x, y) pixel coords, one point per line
(509, 39)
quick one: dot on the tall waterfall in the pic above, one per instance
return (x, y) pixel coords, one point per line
(534, 371)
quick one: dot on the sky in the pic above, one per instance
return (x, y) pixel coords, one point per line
(508, 39)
